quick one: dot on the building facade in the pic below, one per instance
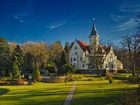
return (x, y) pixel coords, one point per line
(93, 56)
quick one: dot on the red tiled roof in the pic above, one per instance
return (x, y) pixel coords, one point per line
(83, 45)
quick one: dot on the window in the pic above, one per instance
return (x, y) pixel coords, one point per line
(80, 58)
(75, 53)
(101, 66)
(83, 65)
(74, 59)
(71, 59)
(106, 66)
(111, 66)
(74, 64)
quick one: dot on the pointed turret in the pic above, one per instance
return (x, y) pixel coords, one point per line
(93, 31)
(94, 40)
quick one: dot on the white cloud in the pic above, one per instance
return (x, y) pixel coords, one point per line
(131, 23)
(57, 25)
(62, 22)
(117, 18)
(130, 6)
(23, 16)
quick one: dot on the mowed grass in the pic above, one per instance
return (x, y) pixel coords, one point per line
(99, 92)
(90, 90)
(37, 94)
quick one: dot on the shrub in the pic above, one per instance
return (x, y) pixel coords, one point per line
(66, 69)
(5, 82)
(21, 82)
(51, 67)
(109, 76)
(56, 79)
(39, 78)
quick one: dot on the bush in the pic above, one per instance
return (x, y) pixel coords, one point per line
(56, 79)
(21, 82)
(5, 82)
(71, 77)
(51, 67)
(66, 69)
(39, 79)
(109, 76)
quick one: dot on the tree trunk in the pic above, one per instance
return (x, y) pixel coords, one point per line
(134, 70)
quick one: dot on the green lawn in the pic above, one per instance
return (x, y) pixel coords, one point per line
(37, 94)
(91, 90)
(100, 92)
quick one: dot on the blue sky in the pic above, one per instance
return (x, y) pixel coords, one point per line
(65, 20)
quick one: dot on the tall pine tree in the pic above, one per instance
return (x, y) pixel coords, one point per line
(18, 61)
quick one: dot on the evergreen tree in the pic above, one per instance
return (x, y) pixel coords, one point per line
(36, 72)
(66, 52)
(18, 61)
(4, 57)
(18, 56)
(29, 65)
(16, 71)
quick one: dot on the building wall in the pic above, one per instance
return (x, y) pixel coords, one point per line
(77, 57)
(110, 62)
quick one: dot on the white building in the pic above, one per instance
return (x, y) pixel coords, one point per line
(93, 56)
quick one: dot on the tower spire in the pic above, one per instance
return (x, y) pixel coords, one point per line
(93, 31)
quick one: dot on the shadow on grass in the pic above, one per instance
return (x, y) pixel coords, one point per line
(128, 79)
(100, 97)
(109, 99)
(3, 91)
(37, 97)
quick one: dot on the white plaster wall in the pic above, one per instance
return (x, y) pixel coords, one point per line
(111, 59)
(80, 53)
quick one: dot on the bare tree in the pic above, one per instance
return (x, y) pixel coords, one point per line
(132, 44)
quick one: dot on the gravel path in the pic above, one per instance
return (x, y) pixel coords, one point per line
(70, 96)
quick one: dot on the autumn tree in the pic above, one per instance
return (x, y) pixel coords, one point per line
(36, 56)
(55, 51)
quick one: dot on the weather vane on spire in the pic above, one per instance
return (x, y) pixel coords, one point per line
(93, 20)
